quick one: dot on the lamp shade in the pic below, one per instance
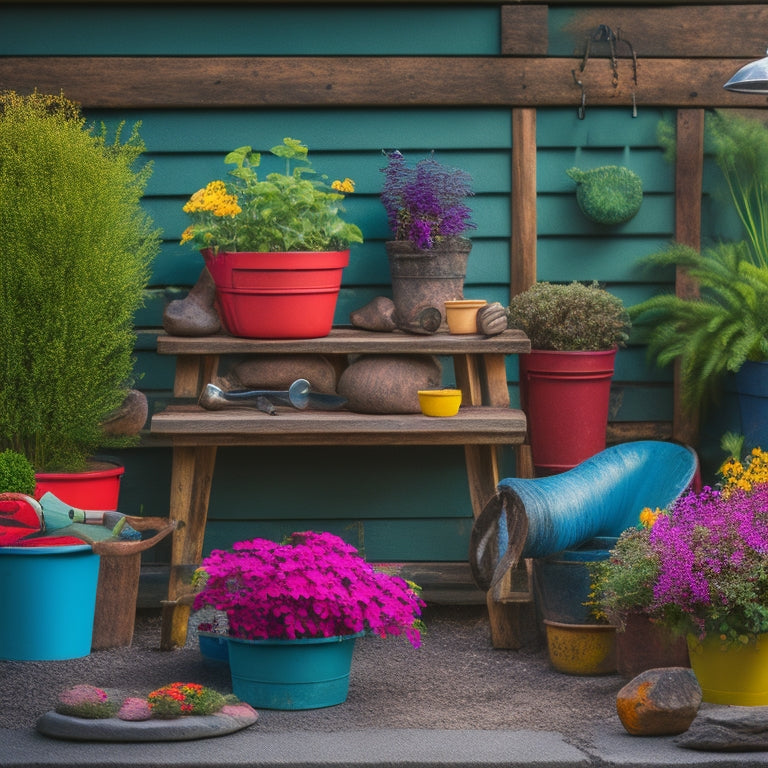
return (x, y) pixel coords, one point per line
(751, 78)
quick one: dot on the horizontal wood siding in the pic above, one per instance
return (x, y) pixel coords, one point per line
(413, 77)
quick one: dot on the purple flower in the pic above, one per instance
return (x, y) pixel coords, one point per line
(425, 203)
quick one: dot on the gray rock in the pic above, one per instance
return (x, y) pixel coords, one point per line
(727, 729)
(659, 702)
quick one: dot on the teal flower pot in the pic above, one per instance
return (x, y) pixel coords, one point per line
(47, 602)
(291, 674)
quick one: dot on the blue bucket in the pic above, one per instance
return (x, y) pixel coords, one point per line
(752, 386)
(562, 581)
(47, 602)
(291, 674)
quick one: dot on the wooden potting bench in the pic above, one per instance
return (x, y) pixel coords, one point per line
(484, 422)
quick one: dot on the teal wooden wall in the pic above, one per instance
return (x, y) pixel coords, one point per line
(395, 503)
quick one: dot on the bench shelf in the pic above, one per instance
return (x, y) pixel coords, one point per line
(485, 422)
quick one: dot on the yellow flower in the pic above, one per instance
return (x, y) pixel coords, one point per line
(215, 199)
(187, 235)
(344, 186)
(648, 516)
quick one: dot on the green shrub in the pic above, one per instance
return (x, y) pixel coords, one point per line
(572, 317)
(76, 255)
(17, 475)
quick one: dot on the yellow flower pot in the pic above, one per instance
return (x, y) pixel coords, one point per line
(581, 649)
(461, 315)
(731, 674)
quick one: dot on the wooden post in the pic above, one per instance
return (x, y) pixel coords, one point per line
(689, 171)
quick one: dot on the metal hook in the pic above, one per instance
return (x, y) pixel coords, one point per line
(581, 112)
(604, 34)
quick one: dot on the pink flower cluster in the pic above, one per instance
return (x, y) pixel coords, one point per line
(313, 585)
(712, 553)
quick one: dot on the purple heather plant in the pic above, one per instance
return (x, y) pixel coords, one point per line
(311, 585)
(712, 552)
(425, 203)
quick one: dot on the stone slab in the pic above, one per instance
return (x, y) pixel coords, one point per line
(230, 720)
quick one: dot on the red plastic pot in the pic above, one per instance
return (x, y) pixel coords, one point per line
(97, 488)
(277, 295)
(565, 396)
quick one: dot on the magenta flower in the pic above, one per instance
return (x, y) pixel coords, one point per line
(313, 585)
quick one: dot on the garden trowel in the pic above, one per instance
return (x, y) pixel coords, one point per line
(299, 395)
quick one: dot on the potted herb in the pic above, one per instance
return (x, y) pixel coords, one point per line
(428, 215)
(75, 263)
(565, 381)
(275, 247)
(311, 594)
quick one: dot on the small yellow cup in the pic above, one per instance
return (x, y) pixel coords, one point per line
(439, 402)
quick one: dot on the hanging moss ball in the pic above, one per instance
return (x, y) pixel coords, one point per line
(608, 195)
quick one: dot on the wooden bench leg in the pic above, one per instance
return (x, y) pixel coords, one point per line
(191, 477)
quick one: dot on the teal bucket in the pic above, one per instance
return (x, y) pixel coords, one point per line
(291, 674)
(562, 581)
(47, 602)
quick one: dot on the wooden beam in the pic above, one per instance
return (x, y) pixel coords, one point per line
(689, 174)
(147, 82)
(523, 201)
(714, 31)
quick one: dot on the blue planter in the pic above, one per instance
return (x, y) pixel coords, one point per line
(47, 602)
(752, 386)
(291, 674)
(562, 581)
(213, 646)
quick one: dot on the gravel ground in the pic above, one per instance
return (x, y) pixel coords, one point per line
(456, 680)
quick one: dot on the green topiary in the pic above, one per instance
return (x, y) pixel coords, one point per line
(572, 317)
(608, 195)
(17, 475)
(75, 260)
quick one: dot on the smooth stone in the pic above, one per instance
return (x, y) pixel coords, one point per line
(388, 383)
(721, 728)
(659, 702)
(280, 371)
(130, 417)
(195, 314)
(376, 315)
(231, 718)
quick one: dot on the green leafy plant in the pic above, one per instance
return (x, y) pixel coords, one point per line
(282, 212)
(573, 316)
(17, 475)
(716, 333)
(77, 249)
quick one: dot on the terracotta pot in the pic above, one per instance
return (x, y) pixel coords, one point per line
(644, 644)
(461, 315)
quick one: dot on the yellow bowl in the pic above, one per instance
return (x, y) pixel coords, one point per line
(439, 402)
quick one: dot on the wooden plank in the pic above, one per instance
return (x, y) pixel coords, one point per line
(524, 30)
(523, 201)
(350, 341)
(724, 30)
(189, 425)
(122, 82)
